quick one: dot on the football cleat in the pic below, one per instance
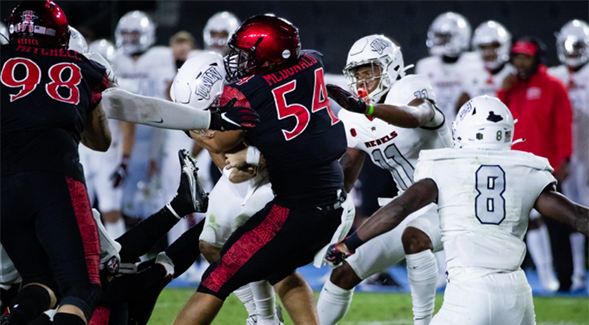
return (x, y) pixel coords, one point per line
(251, 320)
(190, 189)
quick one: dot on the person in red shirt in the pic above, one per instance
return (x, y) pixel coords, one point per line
(540, 104)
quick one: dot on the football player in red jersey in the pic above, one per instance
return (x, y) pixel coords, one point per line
(301, 140)
(50, 103)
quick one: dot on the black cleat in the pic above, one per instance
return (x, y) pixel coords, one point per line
(190, 190)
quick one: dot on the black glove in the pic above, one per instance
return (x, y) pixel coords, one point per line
(334, 256)
(120, 174)
(231, 117)
(346, 100)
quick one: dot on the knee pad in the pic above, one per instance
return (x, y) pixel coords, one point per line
(85, 299)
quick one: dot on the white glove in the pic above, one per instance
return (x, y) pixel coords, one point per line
(165, 261)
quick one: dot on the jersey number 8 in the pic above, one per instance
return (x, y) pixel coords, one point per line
(33, 77)
(489, 203)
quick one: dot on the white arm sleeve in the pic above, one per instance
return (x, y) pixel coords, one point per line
(122, 105)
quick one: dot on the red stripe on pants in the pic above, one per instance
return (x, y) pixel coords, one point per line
(87, 226)
(245, 247)
(100, 316)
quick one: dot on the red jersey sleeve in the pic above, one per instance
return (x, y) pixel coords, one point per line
(230, 93)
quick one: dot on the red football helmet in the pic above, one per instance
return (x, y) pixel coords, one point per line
(262, 44)
(40, 20)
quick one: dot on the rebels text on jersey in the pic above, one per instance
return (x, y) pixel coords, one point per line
(299, 136)
(46, 96)
(394, 148)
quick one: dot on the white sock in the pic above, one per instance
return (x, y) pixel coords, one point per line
(265, 301)
(538, 242)
(333, 303)
(422, 271)
(246, 297)
(115, 229)
(578, 250)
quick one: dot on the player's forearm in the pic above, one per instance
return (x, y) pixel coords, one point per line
(218, 142)
(558, 207)
(96, 135)
(383, 220)
(128, 131)
(391, 215)
(418, 113)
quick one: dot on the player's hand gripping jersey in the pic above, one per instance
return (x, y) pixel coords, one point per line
(302, 161)
(393, 148)
(486, 222)
(47, 94)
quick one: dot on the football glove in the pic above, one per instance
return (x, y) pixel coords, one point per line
(230, 117)
(334, 256)
(120, 174)
(346, 100)
(165, 261)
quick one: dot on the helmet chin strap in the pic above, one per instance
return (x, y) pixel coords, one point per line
(518, 141)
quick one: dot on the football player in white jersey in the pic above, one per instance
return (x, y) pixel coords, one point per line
(199, 83)
(492, 41)
(218, 30)
(572, 44)
(448, 39)
(485, 192)
(144, 70)
(399, 120)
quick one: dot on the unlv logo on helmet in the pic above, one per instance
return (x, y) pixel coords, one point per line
(209, 78)
(379, 45)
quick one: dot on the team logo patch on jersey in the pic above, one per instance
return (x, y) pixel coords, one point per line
(378, 45)
(209, 78)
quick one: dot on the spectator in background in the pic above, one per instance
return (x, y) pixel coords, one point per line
(572, 44)
(541, 105)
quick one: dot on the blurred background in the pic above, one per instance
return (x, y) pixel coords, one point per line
(331, 26)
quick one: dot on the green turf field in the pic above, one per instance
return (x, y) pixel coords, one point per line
(374, 309)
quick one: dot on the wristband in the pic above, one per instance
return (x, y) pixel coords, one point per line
(253, 156)
(370, 110)
(353, 242)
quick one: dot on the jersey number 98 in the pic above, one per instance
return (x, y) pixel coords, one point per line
(32, 78)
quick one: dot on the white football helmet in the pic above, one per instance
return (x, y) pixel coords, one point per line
(220, 22)
(572, 43)
(135, 33)
(3, 34)
(376, 50)
(200, 81)
(492, 32)
(448, 35)
(77, 41)
(105, 48)
(483, 122)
